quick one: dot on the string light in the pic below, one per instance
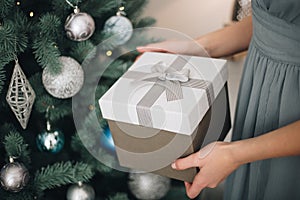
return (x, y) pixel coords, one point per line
(109, 53)
(18, 3)
(122, 8)
(31, 14)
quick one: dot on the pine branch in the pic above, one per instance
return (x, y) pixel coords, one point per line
(46, 53)
(61, 174)
(49, 26)
(5, 7)
(83, 49)
(15, 146)
(144, 22)
(116, 69)
(119, 196)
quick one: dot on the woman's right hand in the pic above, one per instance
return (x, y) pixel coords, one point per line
(185, 47)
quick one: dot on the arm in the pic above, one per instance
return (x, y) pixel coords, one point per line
(226, 41)
(217, 160)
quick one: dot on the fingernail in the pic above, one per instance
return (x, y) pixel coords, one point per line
(173, 165)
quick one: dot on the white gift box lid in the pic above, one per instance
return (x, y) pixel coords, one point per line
(182, 116)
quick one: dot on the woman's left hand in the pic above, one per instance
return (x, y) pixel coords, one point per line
(216, 162)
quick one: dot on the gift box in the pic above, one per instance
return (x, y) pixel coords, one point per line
(164, 107)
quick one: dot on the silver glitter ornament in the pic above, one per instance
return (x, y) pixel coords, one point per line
(79, 26)
(14, 177)
(20, 96)
(119, 27)
(68, 82)
(80, 191)
(148, 186)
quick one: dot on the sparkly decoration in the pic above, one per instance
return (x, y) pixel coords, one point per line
(245, 9)
(106, 139)
(14, 177)
(20, 96)
(50, 140)
(79, 26)
(148, 186)
(80, 191)
(68, 82)
(119, 27)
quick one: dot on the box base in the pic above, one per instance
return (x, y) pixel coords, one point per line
(151, 150)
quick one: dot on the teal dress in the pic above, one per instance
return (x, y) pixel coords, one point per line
(269, 98)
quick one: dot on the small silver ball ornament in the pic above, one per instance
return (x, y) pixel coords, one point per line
(120, 28)
(14, 177)
(80, 191)
(148, 186)
(79, 26)
(68, 82)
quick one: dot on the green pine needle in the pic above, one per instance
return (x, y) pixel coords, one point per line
(47, 53)
(49, 25)
(16, 147)
(119, 196)
(62, 173)
(5, 7)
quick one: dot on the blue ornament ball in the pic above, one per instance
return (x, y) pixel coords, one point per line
(50, 141)
(107, 140)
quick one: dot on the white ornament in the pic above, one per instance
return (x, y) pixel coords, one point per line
(79, 26)
(80, 191)
(120, 28)
(68, 82)
(20, 96)
(148, 186)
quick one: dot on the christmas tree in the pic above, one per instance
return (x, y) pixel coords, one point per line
(46, 48)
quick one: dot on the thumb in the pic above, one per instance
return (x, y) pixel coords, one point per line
(190, 161)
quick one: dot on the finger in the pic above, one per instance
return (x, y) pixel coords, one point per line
(150, 48)
(192, 160)
(194, 189)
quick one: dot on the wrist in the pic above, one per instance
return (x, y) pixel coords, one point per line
(237, 152)
(205, 45)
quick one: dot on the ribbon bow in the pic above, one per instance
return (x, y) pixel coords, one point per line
(161, 71)
(169, 78)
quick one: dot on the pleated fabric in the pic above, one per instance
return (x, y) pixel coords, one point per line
(269, 98)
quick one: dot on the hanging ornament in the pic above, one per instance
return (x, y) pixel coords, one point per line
(148, 186)
(80, 191)
(79, 26)
(68, 82)
(119, 27)
(14, 176)
(50, 140)
(106, 139)
(20, 95)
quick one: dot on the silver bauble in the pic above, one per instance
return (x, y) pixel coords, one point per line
(68, 82)
(14, 177)
(80, 192)
(120, 28)
(79, 26)
(148, 186)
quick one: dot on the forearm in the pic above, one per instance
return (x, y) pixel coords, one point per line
(229, 40)
(278, 143)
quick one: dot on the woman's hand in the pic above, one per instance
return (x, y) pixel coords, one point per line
(216, 162)
(186, 47)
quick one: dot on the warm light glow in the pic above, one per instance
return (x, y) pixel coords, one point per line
(31, 14)
(122, 8)
(109, 53)
(18, 3)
